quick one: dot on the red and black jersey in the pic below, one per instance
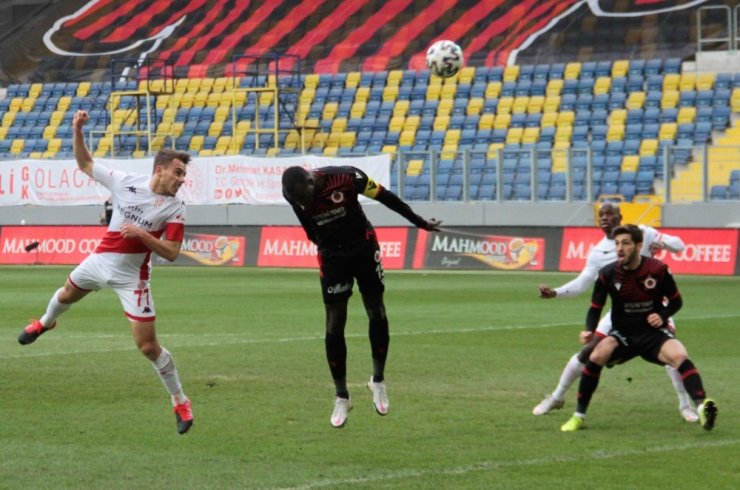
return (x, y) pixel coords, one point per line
(635, 294)
(335, 218)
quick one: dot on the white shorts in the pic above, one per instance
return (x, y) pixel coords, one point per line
(605, 325)
(99, 271)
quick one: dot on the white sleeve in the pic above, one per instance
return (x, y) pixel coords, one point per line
(580, 284)
(672, 243)
(106, 176)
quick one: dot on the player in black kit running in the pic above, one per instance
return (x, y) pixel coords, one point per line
(326, 203)
(637, 286)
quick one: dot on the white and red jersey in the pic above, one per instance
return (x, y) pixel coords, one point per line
(134, 202)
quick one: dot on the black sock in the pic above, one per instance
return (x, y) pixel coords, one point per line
(379, 340)
(692, 381)
(336, 356)
(587, 386)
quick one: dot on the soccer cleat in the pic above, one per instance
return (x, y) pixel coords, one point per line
(575, 423)
(689, 414)
(707, 414)
(380, 396)
(548, 405)
(342, 406)
(184, 416)
(33, 331)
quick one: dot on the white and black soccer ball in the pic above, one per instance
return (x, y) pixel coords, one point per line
(444, 59)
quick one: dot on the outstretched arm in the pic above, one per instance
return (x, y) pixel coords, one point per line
(82, 154)
(392, 201)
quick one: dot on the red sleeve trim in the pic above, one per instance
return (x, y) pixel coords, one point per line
(174, 232)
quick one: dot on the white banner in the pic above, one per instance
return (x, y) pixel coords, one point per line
(234, 179)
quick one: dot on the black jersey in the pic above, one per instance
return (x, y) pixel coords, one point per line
(335, 218)
(635, 294)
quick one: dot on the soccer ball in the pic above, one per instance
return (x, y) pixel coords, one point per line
(444, 59)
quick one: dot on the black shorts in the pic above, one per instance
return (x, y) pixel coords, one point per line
(340, 267)
(645, 344)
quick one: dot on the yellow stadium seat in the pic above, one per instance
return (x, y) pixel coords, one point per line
(705, 81)
(615, 132)
(331, 151)
(390, 94)
(552, 104)
(566, 118)
(511, 73)
(433, 92)
(440, 123)
(49, 132)
(667, 131)
(8, 119)
(493, 150)
(15, 104)
(35, 90)
(687, 81)
(353, 79)
(312, 80)
(17, 145)
(449, 152)
(362, 94)
(445, 107)
(618, 116)
(452, 136)
(502, 121)
(531, 135)
(339, 125)
(193, 85)
(630, 163)
(671, 81)
(401, 108)
(572, 71)
(467, 74)
(514, 136)
(561, 145)
(215, 129)
(686, 115)
(554, 87)
(549, 119)
(391, 149)
(3, 132)
(54, 145)
(357, 110)
(602, 85)
(635, 100)
(412, 122)
(396, 123)
(648, 147)
(330, 110)
(519, 106)
(187, 100)
(475, 106)
(83, 88)
(27, 104)
(407, 138)
(333, 139)
(493, 90)
(207, 83)
(205, 153)
(49, 154)
(486, 121)
(620, 68)
(504, 105)
(563, 133)
(36, 155)
(536, 103)
(448, 91)
(735, 100)
(669, 99)
(414, 167)
(393, 79)
(196, 143)
(64, 103)
(213, 99)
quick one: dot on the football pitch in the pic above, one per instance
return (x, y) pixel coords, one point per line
(471, 353)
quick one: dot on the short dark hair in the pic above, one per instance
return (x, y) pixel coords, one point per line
(165, 156)
(293, 176)
(633, 231)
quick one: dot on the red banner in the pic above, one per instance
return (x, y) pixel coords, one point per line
(708, 251)
(56, 244)
(287, 246)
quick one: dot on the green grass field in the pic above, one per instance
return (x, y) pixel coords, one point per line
(471, 354)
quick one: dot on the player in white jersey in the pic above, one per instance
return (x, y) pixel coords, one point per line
(602, 254)
(147, 217)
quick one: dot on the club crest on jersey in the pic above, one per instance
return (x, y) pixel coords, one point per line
(650, 282)
(618, 285)
(337, 197)
(158, 202)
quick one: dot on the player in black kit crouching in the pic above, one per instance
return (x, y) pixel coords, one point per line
(638, 287)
